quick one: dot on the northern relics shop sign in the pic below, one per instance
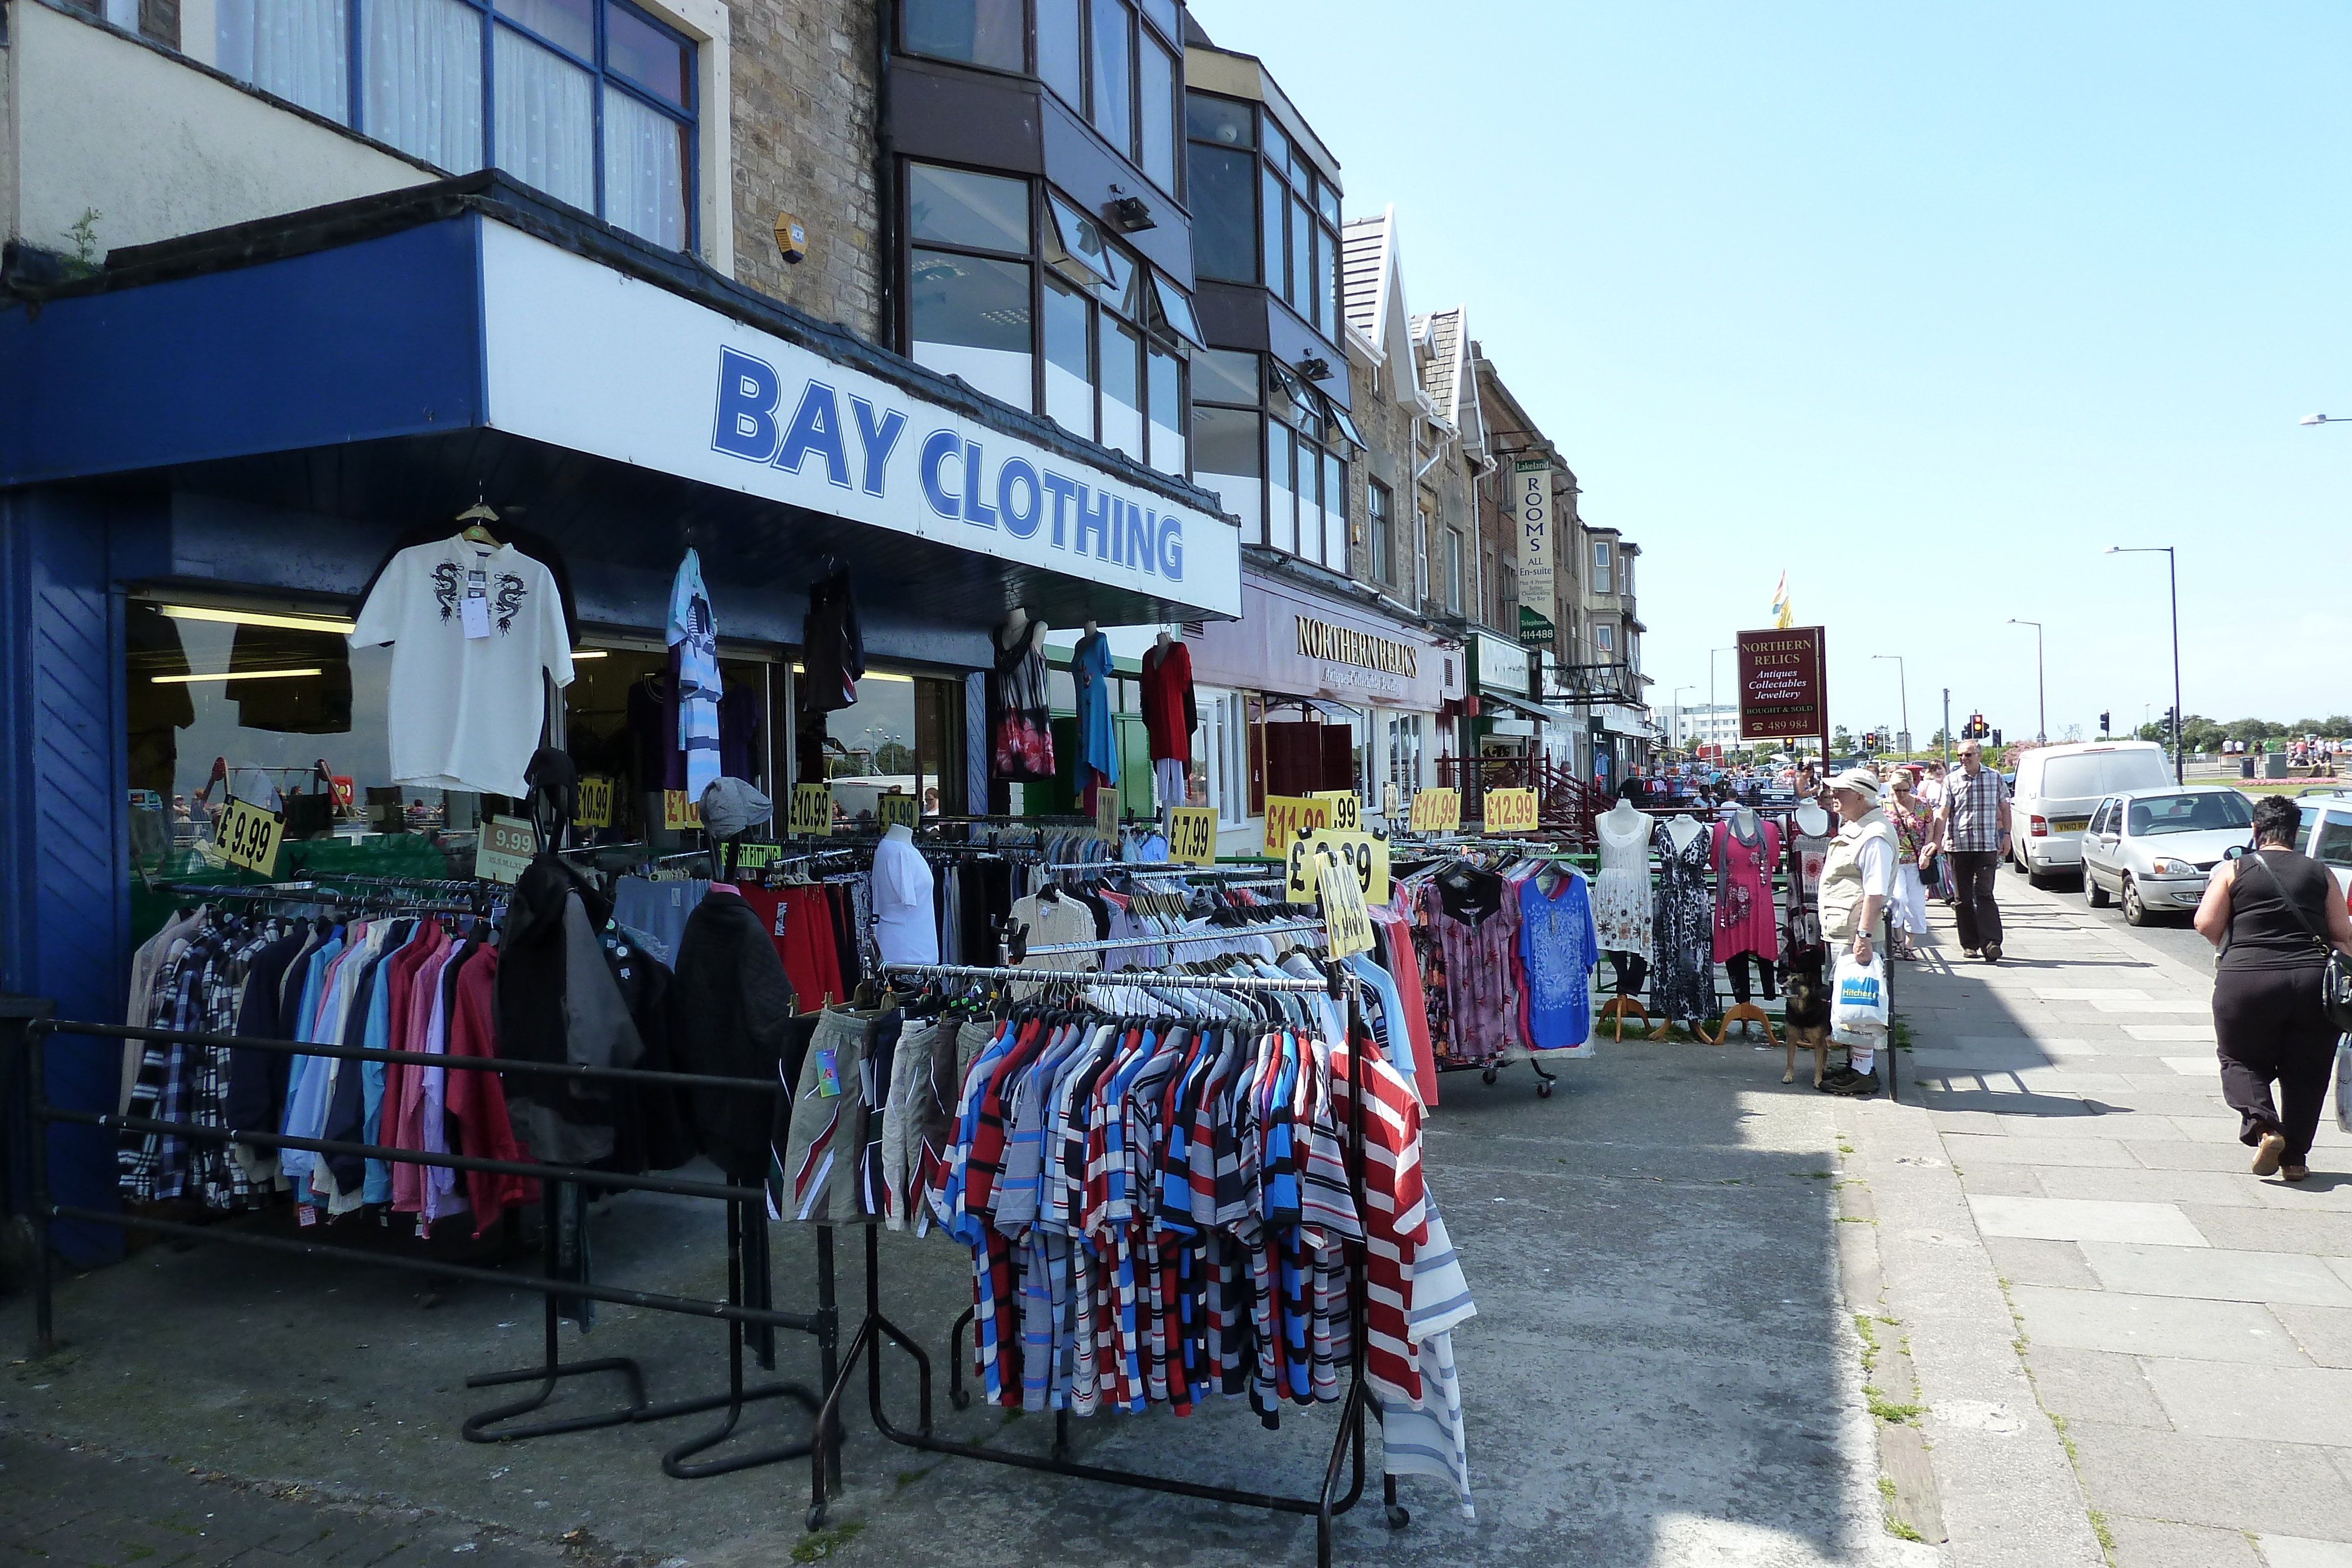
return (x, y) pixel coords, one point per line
(1295, 643)
(1783, 683)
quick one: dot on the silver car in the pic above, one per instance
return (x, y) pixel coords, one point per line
(2152, 849)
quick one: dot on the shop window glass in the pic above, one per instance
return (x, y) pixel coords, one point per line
(1123, 388)
(1069, 359)
(1156, 100)
(1226, 121)
(617, 725)
(298, 49)
(1281, 500)
(1166, 390)
(953, 207)
(969, 317)
(977, 32)
(1277, 145)
(421, 78)
(1226, 461)
(635, 48)
(546, 119)
(1062, 51)
(1326, 313)
(1224, 214)
(1326, 200)
(1310, 503)
(1114, 74)
(1172, 313)
(1077, 246)
(569, 24)
(1601, 566)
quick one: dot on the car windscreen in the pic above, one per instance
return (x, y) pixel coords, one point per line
(2154, 814)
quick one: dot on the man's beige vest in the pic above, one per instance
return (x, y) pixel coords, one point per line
(1842, 874)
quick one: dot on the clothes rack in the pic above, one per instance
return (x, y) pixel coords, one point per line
(875, 1328)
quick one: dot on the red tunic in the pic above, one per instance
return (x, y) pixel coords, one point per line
(1169, 710)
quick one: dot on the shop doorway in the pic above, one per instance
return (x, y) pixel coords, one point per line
(903, 736)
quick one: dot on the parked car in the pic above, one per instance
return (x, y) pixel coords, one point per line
(2153, 849)
(2325, 834)
(2056, 787)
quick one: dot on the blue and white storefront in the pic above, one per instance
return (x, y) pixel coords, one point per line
(208, 451)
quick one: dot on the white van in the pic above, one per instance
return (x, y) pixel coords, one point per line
(2057, 788)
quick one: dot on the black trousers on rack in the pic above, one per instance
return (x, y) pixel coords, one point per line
(1633, 972)
(1738, 969)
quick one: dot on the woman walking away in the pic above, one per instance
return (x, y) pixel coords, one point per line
(1913, 821)
(2273, 914)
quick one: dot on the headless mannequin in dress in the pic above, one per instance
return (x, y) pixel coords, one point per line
(1622, 817)
(1683, 829)
(1812, 821)
(1744, 823)
(900, 833)
(1620, 822)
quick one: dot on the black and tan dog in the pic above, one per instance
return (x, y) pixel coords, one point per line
(1806, 997)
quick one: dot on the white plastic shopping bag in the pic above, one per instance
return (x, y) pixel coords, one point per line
(1858, 999)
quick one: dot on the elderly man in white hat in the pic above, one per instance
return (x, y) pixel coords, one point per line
(1857, 880)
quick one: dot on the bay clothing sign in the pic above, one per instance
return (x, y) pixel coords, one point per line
(1783, 685)
(710, 398)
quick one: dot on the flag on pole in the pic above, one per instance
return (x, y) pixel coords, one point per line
(1781, 614)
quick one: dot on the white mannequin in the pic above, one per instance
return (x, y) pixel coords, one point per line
(1090, 628)
(1812, 821)
(900, 833)
(1162, 641)
(1744, 819)
(1683, 829)
(1622, 817)
(905, 927)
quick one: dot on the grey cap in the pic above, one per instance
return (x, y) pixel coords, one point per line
(734, 807)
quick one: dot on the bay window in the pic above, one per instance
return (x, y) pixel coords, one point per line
(591, 101)
(1102, 353)
(1270, 220)
(1272, 455)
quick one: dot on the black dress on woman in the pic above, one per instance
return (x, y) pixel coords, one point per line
(2266, 1011)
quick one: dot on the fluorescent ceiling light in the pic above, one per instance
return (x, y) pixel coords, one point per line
(869, 676)
(580, 653)
(233, 676)
(258, 618)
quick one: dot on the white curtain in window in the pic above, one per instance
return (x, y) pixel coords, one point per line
(421, 79)
(298, 49)
(546, 127)
(645, 173)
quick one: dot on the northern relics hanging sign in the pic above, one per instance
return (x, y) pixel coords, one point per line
(1783, 683)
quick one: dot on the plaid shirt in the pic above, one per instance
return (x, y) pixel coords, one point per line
(1972, 807)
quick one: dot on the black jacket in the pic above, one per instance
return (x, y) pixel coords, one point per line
(832, 646)
(731, 1015)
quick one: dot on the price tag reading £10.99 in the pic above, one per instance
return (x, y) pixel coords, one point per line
(1192, 834)
(812, 813)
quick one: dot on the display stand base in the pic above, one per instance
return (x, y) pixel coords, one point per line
(1618, 1008)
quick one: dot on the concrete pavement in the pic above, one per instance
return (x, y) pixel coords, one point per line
(2187, 1327)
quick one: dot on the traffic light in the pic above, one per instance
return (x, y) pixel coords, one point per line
(2106, 722)
(1995, 737)
(1870, 740)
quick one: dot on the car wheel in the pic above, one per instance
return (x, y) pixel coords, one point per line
(2092, 893)
(2135, 913)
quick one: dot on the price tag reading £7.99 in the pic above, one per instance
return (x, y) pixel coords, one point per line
(248, 836)
(1346, 923)
(1192, 834)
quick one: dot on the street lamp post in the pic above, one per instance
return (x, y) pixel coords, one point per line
(2040, 683)
(1902, 679)
(1678, 712)
(2172, 573)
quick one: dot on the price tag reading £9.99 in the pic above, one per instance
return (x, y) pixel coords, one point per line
(897, 810)
(248, 836)
(505, 848)
(1365, 854)
(1192, 834)
(1346, 923)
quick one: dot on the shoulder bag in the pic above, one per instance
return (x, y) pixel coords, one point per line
(2336, 979)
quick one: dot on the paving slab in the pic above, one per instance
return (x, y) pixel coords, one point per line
(2296, 1552)
(2214, 1274)
(2212, 1188)
(2028, 1262)
(1971, 1149)
(2154, 1005)
(2080, 1220)
(2166, 1033)
(2267, 1229)
(2001, 1181)
(2224, 1482)
(2158, 1543)
(2093, 1386)
(2287, 1404)
(2239, 1332)
(2324, 1332)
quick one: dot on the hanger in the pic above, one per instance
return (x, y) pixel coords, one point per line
(474, 516)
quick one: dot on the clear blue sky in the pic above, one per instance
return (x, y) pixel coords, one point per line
(1925, 305)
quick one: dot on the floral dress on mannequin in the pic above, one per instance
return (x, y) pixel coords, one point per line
(1622, 908)
(1682, 986)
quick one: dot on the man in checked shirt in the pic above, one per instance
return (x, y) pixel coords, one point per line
(1973, 827)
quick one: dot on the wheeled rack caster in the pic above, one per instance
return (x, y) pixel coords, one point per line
(1398, 1518)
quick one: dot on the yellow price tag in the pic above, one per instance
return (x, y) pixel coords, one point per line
(1389, 804)
(1346, 809)
(812, 813)
(249, 836)
(680, 810)
(1287, 816)
(901, 810)
(504, 851)
(1301, 867)
(1510, 810)
(1107, 811)
(595, 808)
(1437, 811)
(1366, 855)
(1347, 923)
(1192, 834)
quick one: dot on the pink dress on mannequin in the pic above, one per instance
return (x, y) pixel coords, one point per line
(1744, 915)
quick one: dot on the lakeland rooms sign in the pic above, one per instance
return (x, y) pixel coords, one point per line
(1783, 690)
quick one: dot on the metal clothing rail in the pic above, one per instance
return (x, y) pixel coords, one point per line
(875, 1328)
(1181, 938)
(745, 1307)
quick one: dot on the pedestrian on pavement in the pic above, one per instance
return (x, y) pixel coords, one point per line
(1857, 884)
(2266, 912)
(1913, 822)
(1972, 829)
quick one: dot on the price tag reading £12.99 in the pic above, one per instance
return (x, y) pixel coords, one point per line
(1510, 810)
(1192, 834)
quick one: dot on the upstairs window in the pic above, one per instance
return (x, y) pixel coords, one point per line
(1601, 577)
(1271, 219)
(591, 101)
(1381, 525)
